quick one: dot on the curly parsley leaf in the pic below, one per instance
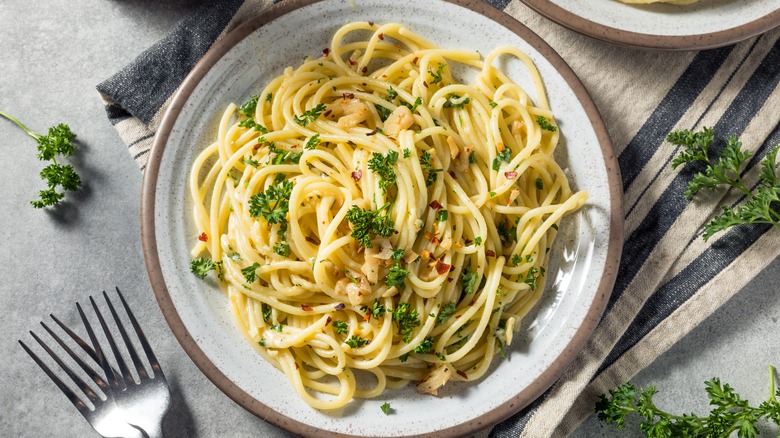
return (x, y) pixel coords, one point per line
(469, 280)
(369, 223)
(386, 409)
(356, 341)
(762, 204)
(446, 312)
(382, 165)
(310, 115)
(341, 327)
(249, 107)
(396, 275)
(57, 142)
(407, 320)
(426, 346)
(456, 101)
(377, 310)
(437, 74)
(427, 167)
(505, 155)
(201, 266)
(545, 124)
(730, 412)
(273, 204)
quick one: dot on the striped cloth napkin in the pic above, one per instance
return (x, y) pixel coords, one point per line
(669, 279)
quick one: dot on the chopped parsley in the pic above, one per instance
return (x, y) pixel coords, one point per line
(310, 115)
(251, 162)
(377, 310)
(391, 94)
(516, 259)
(396, 275)
(277, 327)
(505, 155)
(532, 278)
(250, 123)
(441, 216)
(413, 107)
(456, 101)
(341, 327)
(249, 107)
(282, 248)
(436, 75)
(425, 346)
(266, 312)
(386, 408)
(545, 124)
(382, 165)
(427, 167)
(469, 280)
(478, 241)
(201, 266)
(493, 104)
(407, 153)
(283, 155)
(446, 312)
(273, 205)
(407, 319)
(356, 341)
(384, 112)
(250, 272)
(312, 142)
(539, 183)
(368, 223)
(398, 254)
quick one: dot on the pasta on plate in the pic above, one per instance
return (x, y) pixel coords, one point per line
(375, 221)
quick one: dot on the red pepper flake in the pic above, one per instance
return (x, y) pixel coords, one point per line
(203, 237)
(490, 253)
(356, 175)
(462, 374)
(364, 69)
(435, 205)
(312, 240)
(366, 317)
(449, 279)
(306, 308)
(452, 174)
(468, 242)
(425, 84)
(327, 113)
(328, 321)
(369, 134)
(351, 62)
(510, 175)
(442, 268)
(348, 95)
(381, 36)
(340, 306)
(296, 365)
(371, 23)
(414, 61)
(256, 147)
(325, 52)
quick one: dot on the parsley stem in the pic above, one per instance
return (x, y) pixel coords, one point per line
(772, 396)
(32, 134)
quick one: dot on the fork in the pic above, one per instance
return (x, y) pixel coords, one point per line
(127, 408)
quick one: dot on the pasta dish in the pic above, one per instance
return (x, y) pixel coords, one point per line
(374, 220)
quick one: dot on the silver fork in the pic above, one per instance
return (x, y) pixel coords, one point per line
(127, 408)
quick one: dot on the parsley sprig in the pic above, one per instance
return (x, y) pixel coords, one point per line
(57, 142)
(382, 165)
(369, 223)
(310, 115)
(273, 205)
(426, 164)
(762, 203)
(730, 412)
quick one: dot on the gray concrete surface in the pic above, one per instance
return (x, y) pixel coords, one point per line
(52, 54)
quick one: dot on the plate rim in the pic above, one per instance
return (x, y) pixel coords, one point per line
(522, 399)
(627, 38)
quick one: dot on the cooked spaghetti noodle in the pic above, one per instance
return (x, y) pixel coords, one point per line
(367, 213)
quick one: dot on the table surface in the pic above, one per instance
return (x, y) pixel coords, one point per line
(54, 53)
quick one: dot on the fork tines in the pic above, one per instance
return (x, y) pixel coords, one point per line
(109, 379)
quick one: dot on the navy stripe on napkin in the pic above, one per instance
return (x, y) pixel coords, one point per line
(143, 86)
(671, 109)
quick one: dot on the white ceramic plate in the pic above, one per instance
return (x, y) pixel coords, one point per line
(581, 276)
(702, 25)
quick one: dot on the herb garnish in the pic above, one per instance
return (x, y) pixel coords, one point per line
(382, 165)
(355, 341)
(427, 167)
(273, 205)
(436, 75)
(469, 280)
(730, 413)
(456, 101)
(396, 275)
(312, 142)
(505, 155)
(376, 310)
(58, 141)
(368, 223)
(310, 115)
(201, 266)
(341, 327)
(250, 272)
(406, 319)
(425, 346)
(545, 124)
(386, 408)
(446, 312)
(762, 204)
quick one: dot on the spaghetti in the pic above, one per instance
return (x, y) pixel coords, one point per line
(367, 213)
